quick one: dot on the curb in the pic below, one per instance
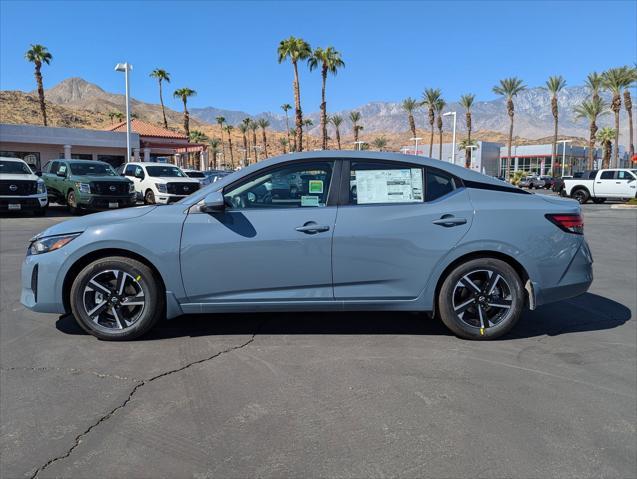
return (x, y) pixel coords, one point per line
(624, 207)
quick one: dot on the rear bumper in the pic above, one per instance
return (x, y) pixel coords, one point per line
(575, 280)
(27, 203)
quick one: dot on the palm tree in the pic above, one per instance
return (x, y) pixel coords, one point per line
(409, 106)
(263, 124)
(292, 132)
(330, 61)
(594, 84)
(336, 120)
(286, 107)
(228, 129)
(119, 116)
(355, 117)
(253, 126)
(243, 128)
(197, 136)
(295, 49)
(606, 136)
(466, 101)
(221, 121)
(161, 75)
(615, 80)
(184, 94)
(438, 107)
(591, 110)
(307, 123)
(554, 85)
(284, 143)
(112, 115)
(509, 89)
(214, 150)
(38, 54)
(631, 74)
(380, 143)
(429, 99)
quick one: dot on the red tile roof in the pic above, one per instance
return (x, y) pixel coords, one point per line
(147, 129)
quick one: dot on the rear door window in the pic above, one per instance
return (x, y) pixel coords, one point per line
(624, 175)
(439, 184)
(384, 183)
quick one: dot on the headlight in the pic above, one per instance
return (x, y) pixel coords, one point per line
(83, 187)
(41, 187)
(161, 187)
(50, 243)
(131, 188)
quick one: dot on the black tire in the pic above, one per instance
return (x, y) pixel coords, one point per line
(599, 201)
(474, 324)
(581, 195)
(108, 325)
(71, 202)
(149, 197)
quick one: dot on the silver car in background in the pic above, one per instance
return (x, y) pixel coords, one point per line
(363, 231)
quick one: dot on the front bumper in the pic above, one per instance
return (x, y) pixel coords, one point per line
(105, 202)
(23, 203)
(166, 199)
(41, 291)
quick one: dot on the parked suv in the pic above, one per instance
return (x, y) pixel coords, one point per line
(531, 182)
(20, 188)
(87, 185)
(159, 182)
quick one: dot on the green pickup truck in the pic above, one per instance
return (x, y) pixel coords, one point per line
(87, 185)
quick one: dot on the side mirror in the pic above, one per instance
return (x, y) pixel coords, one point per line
(213, 203)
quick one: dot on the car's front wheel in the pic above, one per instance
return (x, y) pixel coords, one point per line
(71, 201)
(149, 197)
(481, 299)
(117, 298)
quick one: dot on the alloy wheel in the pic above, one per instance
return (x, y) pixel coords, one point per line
(114, 299)
(482, 298)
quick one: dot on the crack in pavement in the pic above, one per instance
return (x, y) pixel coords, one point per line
(139, 385)
(69, 371)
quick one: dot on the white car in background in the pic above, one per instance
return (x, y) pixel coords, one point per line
(159, 182)
(20, 188)
(600, 185)
(198, 175)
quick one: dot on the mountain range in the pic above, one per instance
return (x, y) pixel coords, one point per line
(533, 117)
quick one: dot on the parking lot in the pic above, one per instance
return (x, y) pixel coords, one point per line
(330, 395)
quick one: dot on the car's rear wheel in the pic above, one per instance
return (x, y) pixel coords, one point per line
(581, 196)
(149, 197)
(481, 299)
(599, 201)
(117, 298)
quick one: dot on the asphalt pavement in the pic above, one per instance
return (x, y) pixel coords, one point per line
(327, 395)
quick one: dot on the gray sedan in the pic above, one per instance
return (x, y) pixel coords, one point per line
(362, 231)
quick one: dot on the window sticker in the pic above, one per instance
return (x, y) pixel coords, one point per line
(389, 186)
(315, 187)
(310, 200)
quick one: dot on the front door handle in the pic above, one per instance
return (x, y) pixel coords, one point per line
(312, 228)
(449, 220)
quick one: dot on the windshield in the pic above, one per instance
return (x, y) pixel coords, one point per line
(196, 174)
(170, 171)
(14, 168)
(92, 169)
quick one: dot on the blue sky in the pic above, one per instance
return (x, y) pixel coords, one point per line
(226, 51)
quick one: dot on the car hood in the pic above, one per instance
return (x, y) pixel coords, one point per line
(78, 225)
(88, 178)
(16, 177)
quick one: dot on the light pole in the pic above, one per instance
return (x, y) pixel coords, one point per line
(453, 141)
(126, 67)
(564, 142)
(359, 145)
(416, 140)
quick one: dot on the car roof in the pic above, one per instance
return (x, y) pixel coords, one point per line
(83, 161)
(457, 170)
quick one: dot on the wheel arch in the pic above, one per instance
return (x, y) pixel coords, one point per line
(510, 260)
(88, 258)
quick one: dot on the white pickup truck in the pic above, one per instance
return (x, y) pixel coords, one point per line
(601, 185)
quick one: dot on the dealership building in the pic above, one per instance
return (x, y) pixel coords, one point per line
(485, 158)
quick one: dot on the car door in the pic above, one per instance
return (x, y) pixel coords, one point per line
(606, 186)
(49, 174)
(135, 173)
(626, 183)
(392, 231)
(269, 244)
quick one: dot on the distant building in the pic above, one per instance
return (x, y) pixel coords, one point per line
(484, 159)
(39, 144)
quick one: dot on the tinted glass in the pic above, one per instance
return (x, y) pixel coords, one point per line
(195, 174)
(170, 171)
(92, 169)
(14, 168)
(53, 167)
(377, 183)
(292, 186)
(624, 175)
(438, 184)
(130, 170)
(607, 175)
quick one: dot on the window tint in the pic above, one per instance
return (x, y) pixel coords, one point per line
(93, 168)
(168, 171)
(138, 172)
(14, 167)
(624, 175)
(130, 170)
(377, 182)
(299, 185)
(607, 175)
(62, 169)
(53, 167)
(438, 184)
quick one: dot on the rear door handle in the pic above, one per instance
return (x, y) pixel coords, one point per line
(449, 220)
(312, 228)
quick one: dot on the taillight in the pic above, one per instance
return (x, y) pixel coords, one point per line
(571, 223)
